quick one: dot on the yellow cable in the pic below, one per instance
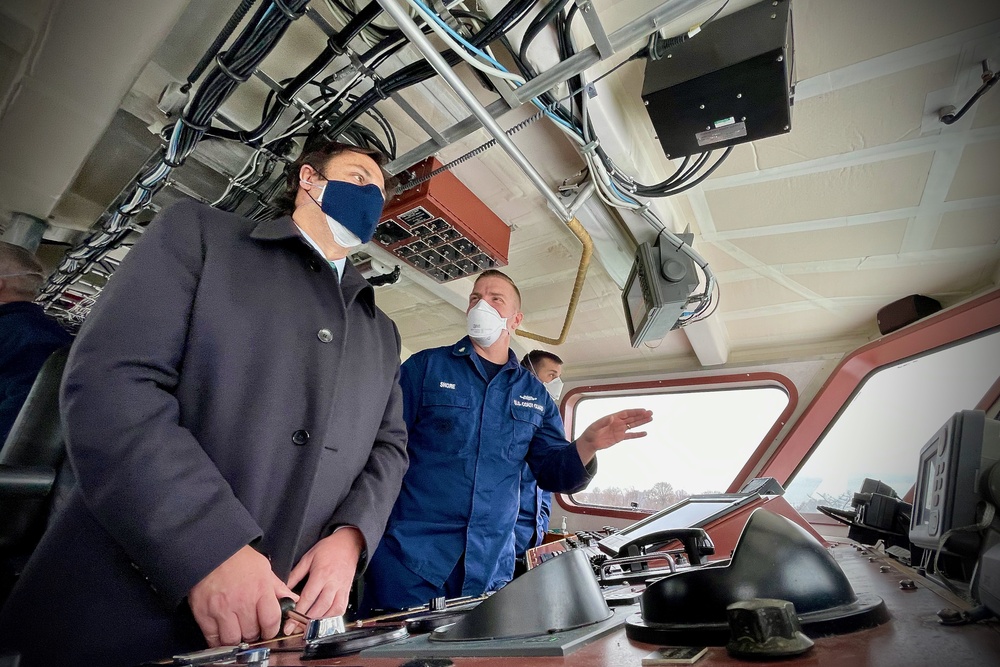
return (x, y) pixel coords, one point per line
(581, 275)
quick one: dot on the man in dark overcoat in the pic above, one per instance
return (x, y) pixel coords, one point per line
(233, 416)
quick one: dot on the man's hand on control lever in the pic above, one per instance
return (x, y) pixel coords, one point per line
(330, 566)
(238, 600)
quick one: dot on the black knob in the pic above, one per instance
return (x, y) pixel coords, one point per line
(765, 628)
(287, 605)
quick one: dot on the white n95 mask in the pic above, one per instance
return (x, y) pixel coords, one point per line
(554, 387)
(485, 324)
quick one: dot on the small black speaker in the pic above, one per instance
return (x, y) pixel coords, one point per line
(905, 311)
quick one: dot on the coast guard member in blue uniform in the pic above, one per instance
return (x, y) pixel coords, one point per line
(474, 416)
(535, 504)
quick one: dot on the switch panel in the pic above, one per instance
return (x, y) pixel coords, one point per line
(441, 228)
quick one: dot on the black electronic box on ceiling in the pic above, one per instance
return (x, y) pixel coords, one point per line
(729, 84)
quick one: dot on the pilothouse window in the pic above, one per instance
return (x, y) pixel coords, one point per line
(697, 443)
(890, 417)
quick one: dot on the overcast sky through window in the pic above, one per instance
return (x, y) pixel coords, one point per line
(698, 440)
(895, 412)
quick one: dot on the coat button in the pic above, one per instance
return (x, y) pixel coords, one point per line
(324, 335)
(314, 265)
(300, 437)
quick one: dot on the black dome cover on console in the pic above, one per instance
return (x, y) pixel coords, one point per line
(560, 594)
(774, 558)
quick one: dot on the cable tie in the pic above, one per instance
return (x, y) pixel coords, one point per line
(284, 9)
(588, 149)
(170, 163)
(337, 49)
(228, 72)
(377, 87)
(361, 67)
(193, 126)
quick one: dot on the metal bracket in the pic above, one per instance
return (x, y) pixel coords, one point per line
(508, 94)
(620, 39)
(360, 67)
(601, 41)
(418, 119)
(459, 130)
(323, 24)
(307, 110)
(481, 113)
(441, 9)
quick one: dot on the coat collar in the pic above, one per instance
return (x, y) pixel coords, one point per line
(355, 286)
(276, 229)
(352, 283)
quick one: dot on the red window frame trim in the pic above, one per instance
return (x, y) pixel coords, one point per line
(734, 381)
(950, 326)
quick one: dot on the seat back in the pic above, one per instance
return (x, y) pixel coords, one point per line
(35, 442)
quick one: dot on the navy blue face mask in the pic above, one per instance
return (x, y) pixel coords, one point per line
(356, 207)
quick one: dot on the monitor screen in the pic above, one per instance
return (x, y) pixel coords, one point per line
(925, 480)
(694, 512)
(950, 465)
(635, 304)
(653, 304)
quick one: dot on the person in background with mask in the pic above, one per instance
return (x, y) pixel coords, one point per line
(233, 414)
(474, 417)
(535, 503)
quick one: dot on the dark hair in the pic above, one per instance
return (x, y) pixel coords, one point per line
(530, 360)
(316, 155)
(493, 273)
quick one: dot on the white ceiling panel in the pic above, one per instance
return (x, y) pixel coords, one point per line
(866, 188)
(758, 293)
(977, 173)
(873, 113)
(882, 238)
(806, 326)
(846, 32)
(719, 259)
(931, 278)
(971, 227)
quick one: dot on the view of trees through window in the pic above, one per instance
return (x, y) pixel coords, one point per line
(663, 494)
(697, 443)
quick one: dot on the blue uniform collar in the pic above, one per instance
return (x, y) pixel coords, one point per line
(463, 348)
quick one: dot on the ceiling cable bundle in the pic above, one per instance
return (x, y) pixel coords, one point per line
(335, 111)
(232, 67)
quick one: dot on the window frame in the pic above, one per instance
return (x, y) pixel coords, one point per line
(946, 328)
(752, 380)
(995, 331)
